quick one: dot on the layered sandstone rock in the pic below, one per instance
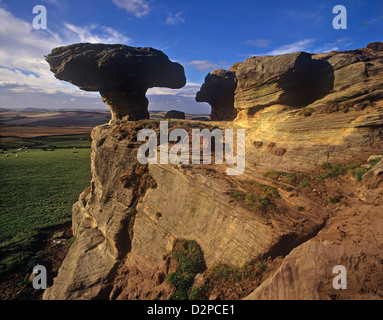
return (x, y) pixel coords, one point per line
(334, 80)
(293, 80)
(127, 220)
(352, 238)
(120, 73)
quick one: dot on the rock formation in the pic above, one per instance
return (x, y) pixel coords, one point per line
(175, 114)
(305, 197)
(296, 80)
(120, 73)
(218, 91)
(352, 238)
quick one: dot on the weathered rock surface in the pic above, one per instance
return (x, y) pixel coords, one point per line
(112, 243)
(218, 91)
(127, 220)
(293, 80)
(120, 73)
(353, 239)
(334, 80)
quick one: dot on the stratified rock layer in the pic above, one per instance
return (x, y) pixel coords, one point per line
(352, 239)
(309, 80)
(120, 73)
(127, 220)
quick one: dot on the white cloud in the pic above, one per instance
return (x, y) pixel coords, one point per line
(22, 50)
(26, 81)
(188, 91)
(262, 43)
(104, 34)
(303, 45)
(174, 18)
(339, 44)
(139, 8)
(205, 65)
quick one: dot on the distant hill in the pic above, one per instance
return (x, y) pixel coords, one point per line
(69, 117)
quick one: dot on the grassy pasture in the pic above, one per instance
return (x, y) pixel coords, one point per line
(38, 189)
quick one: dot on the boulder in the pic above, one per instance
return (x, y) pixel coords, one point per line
(174, 114)
(218, 90)
(326, 82)
(292, 79)
(121, 74)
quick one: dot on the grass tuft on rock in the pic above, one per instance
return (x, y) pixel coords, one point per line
(189, 262)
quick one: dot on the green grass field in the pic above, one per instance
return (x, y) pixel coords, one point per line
(77, 140)
(38, 189)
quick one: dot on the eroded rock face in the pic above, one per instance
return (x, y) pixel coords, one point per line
(294, 80)
(218, 91)
(351, 239)
(126, 221)
(121, 74)
(297, 80)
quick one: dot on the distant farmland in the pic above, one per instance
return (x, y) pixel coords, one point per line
(37, 123)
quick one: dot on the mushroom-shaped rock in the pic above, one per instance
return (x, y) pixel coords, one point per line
(175, 114)
(218, 90)
(121, 74)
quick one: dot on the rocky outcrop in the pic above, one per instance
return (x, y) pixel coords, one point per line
(120, 73)
(175, 114)
(298, 198)
(335, 80)
(218, 91)
(293, 80)
(126, 222)
(352, 239)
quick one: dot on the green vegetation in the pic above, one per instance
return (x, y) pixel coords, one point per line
(335, 170)
(189, 262)
(257, 202)
(224, 273)
(285, 177)
(66, 141)
(37, 189)
(237, 195)
(325, 165)
(304, 183)
(15, 142)
(78, 141)
(260, 197)
(333, 199)
(360, 172)
(374, 161)
(269, 191)
(219, 274)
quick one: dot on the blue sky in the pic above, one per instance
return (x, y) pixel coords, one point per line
(202, 35)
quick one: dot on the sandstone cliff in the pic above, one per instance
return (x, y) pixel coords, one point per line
(301, 207)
